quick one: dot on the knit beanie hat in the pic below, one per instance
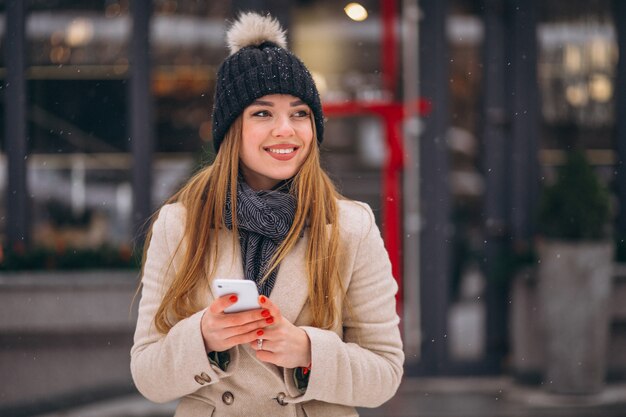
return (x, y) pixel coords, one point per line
(259, 64)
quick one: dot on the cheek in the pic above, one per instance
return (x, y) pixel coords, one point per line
(250, 135)
(246, 152)
(306, 134)
(249, 156)
(252, 130)
(251, 140)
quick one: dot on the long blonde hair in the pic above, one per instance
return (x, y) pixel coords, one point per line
(204, 196)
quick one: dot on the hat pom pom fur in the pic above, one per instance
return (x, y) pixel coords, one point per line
(252, 29)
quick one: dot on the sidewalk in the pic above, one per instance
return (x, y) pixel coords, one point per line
(426, 397)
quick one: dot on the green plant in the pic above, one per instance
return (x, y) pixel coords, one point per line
(576, 206)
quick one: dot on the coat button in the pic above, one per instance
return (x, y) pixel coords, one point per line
(228, 398)
(199, 380)
(205, 377)
(280, 398)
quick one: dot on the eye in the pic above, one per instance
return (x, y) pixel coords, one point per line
(301, 113)
(261, 113)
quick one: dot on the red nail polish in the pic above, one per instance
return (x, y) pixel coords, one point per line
(265, 313)
(260, 333)
(262, 299)
(233, 298)
(269, 320)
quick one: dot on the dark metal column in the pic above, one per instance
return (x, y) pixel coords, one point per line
(496, 159)
(435, 199)
(524, 99)
(619, 12)
(18, 233)
(141, 122)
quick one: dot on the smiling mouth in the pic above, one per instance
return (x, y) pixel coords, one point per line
(281, 151)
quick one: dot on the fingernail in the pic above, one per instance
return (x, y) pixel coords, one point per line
(262, 299)
(233, 298)
(269, 320)
(265, 313)
(260, 333)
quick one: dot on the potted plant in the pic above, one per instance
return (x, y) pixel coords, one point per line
(575, 255)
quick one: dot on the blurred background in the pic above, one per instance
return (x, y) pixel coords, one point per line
(453, 119)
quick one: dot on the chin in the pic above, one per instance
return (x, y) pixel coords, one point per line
(283, 175)
(282, 178)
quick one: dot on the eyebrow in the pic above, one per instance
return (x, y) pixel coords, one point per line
(270, 104)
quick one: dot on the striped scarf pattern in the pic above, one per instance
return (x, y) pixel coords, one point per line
(263, 219)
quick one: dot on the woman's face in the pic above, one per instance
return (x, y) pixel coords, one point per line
(277, 134)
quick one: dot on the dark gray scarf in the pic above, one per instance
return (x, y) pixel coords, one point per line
(263, 219)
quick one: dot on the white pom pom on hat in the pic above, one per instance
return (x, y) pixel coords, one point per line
(252, 29)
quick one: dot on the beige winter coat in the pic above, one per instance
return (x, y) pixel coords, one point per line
(357, 364)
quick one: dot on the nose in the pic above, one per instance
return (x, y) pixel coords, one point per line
(283, 127)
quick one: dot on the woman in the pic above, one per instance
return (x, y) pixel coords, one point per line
(326, 337)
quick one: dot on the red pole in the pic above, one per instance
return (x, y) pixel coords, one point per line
(392, 223)
(392, 114)
(392, 203)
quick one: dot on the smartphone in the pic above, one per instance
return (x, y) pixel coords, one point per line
(246, 291)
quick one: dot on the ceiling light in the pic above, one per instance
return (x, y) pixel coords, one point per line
(356, 12)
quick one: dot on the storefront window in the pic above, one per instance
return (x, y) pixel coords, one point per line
(344, 54)
(342, 48)
(78, 72)
(78, 163)
(187, 45)
(467, 316)
(577, 71)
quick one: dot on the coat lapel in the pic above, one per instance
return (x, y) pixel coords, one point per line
(291, 289)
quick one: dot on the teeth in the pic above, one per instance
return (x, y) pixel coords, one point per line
(288, 150)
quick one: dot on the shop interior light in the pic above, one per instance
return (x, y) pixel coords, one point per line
(600, 88)
(356, 11)
(577, 95)
(79, 32)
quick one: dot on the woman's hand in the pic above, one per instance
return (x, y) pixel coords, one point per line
(221, 331)
(284, 344)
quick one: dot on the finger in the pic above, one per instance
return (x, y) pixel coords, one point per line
(221, 303)
(227, 338)
(266, 303)
(243, 317)
(244, 329)
(245, 338)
